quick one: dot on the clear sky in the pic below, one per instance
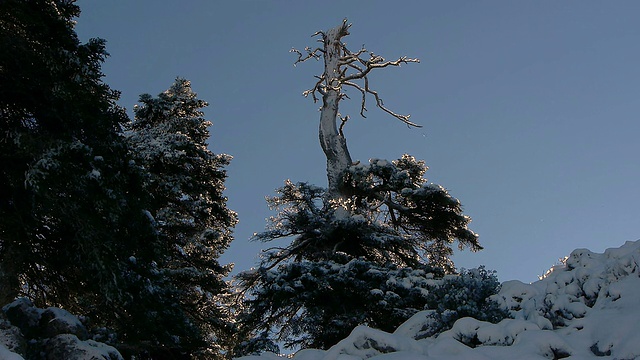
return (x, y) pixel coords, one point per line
(530, 109)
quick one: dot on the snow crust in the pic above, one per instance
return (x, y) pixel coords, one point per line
(588, 307)
(7, 354)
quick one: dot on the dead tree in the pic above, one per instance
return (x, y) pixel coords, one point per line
(343, 68)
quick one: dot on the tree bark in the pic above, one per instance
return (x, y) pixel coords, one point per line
(343, 68)
(333, 142)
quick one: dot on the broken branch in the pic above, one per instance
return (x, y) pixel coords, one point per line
(311, 54)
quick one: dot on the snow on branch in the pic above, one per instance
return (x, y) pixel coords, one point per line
(352, 69)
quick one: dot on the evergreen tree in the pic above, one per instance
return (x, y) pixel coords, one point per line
(465, 295)
(391, 215)
(66, 186)
(75, 231)
(377, 229)
(391, 237)
(185, 182)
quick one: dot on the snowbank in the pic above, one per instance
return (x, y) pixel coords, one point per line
(30, 332)
(586, 308)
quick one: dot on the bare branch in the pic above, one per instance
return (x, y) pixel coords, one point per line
(351, 57)
(364, 96)
(318, 87)
(342, 123)
(354, 66)
(379, 103)
(352, 70)
(311, 54)
(402, 60)
(377, 62)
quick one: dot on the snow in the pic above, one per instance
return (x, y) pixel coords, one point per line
(88, 349)
(62, 319)
(585, 308)
(7, 354)
(95, 174)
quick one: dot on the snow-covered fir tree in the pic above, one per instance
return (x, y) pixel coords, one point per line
(75, 230)
(375, 257)
(365, 250)
(69, 209)
(74, 233)
(185, 181)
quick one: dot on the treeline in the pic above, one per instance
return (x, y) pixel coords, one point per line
(122, 221)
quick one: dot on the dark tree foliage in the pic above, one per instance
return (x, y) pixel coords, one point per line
(185, 182)
(391, 215)
(69, 207)
(391, 235)
(317, 303)
(366, 249)
(76, 229)
(335, 296)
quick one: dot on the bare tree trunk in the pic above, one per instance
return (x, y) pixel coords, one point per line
(333, 142)
(343, 68)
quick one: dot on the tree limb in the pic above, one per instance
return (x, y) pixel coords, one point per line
(311, 54)
(377, 62)
(318, 87)
(343, 121)
(352, 66)
(379, 103)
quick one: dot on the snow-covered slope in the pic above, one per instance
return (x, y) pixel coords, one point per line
(586, 308)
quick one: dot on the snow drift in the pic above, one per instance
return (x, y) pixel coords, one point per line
(28, 332)
(588, 307)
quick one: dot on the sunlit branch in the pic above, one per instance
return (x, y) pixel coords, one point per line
(377, 62)
(318, 87)
(379, 103)
(352, 67)
(311, 54)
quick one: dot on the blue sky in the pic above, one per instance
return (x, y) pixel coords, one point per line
(530, 109)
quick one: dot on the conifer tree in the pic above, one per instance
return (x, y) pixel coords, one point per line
(76, 229)
(364, 250)
(69, 209)
(185, 181)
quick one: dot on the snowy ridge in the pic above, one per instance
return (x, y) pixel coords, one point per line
(586, 308)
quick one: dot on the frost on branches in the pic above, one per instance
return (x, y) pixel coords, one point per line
(392, 215)
(70, 208)
(343, 69)
(372, 258)
(366, 249)
(186, 182)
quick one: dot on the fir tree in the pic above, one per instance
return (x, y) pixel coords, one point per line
(377, 230)
(369, 258)
(66, 183)
(75, 230)
(185, 182)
